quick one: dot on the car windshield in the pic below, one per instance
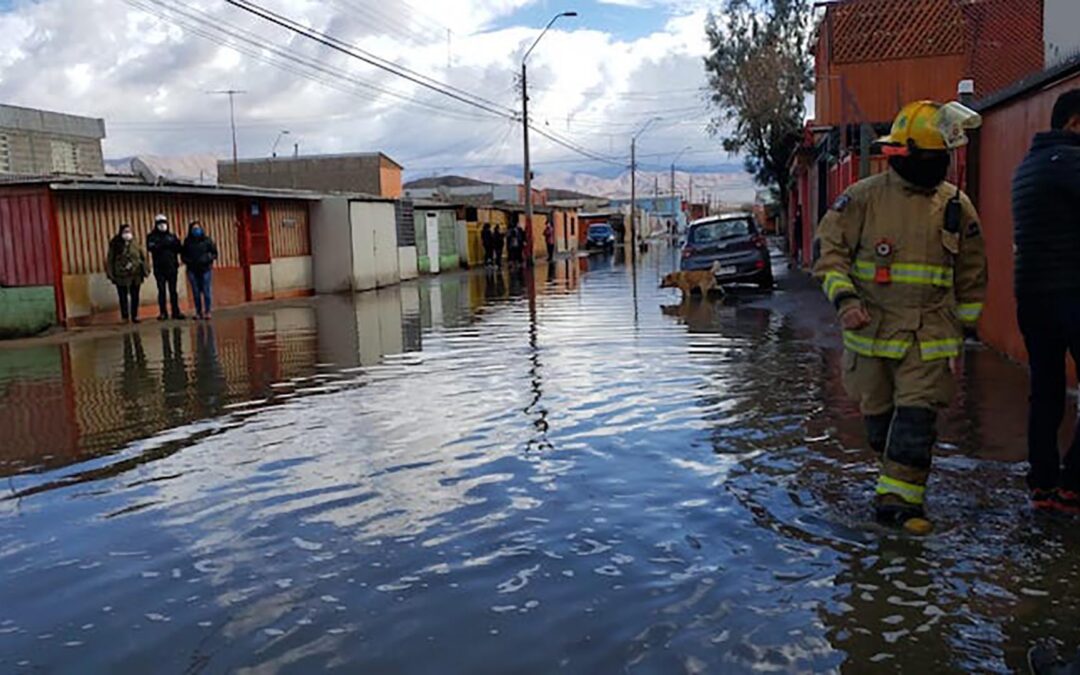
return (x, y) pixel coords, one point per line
(599, 230)
(707, 233)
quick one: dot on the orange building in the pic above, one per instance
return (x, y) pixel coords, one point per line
(873, 56)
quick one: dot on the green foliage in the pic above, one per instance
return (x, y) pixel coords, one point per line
(760, 71)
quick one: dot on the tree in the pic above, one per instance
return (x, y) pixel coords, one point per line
(759, 70)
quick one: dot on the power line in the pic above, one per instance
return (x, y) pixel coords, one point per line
(225, 34)
(401, 71)
(213, 29)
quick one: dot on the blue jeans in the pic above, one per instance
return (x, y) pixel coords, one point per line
(201, 290)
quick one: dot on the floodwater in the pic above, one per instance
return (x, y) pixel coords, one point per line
(511, 474)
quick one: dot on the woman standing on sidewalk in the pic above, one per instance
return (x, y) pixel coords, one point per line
(126, 268)
(199, 254)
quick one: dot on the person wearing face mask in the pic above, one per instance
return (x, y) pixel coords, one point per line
(904, 263)
(126, 267)
(164, 247)
(199, 254)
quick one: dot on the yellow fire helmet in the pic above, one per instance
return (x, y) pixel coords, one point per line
(927, 125)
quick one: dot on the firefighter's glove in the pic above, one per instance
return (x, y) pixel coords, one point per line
(854, 316)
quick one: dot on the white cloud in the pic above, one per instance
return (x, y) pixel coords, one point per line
(149, 77)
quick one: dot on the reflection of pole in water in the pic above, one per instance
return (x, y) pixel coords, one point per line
(535, 378)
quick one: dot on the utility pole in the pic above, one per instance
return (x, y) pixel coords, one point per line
(656, 193)
(673, 184)
(633, 193)
(525, 126)
(528, 167)
(633, 183)
(231, 93)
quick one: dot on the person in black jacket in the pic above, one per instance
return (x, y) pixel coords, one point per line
(1046, 217)
(199, 254)
(487, 242)
(164, 247)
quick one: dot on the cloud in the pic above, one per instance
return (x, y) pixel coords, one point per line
(146, 67)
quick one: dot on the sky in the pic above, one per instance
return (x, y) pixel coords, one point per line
(147, 67)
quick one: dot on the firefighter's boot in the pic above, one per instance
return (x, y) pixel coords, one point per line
(906, 468)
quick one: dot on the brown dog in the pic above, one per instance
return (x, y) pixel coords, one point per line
(702, 281)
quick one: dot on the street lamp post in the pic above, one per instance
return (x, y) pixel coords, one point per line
(633, 182)
(525, 125)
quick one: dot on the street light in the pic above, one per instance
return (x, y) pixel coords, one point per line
(525, 124)
(273, 151)
(633, 180)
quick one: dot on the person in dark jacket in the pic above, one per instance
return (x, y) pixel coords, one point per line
(515, 243)
(498, 242)
(164, 247)
(486, 240)
(126, 267)
(199, 254)
(1046, 213)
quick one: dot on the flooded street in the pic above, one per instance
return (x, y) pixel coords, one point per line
(504, 474)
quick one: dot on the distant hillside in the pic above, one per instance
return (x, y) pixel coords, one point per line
(559, 194)
(442, 181)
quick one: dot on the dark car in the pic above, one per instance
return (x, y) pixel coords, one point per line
(600, 236)
(734, 245)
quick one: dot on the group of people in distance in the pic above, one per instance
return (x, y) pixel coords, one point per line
(126, 267)
(514, 241)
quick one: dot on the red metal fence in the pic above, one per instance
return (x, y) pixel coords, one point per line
(27, 254)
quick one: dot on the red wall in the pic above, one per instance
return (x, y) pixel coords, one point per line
(1006, 136)
(27, 253)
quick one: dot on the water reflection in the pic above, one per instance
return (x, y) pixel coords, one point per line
(368, 482)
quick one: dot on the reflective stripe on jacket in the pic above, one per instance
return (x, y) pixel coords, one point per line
(935, 280)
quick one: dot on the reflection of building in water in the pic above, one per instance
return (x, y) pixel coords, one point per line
(34, 391)
(63, 404)
(359, 330)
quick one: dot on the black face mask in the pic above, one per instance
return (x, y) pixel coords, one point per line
(926, 171)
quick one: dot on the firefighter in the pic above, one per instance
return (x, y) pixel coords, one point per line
(904, 263)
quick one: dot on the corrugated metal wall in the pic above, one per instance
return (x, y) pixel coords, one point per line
(88, 220)
(26, 243)
(289, 230)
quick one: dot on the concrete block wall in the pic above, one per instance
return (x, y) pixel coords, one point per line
(26, 311)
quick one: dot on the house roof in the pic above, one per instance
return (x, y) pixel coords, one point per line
(443, 181)
(134, 184)
(301, 158)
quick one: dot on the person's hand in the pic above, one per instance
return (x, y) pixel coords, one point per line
(956, 365)
(855, 317)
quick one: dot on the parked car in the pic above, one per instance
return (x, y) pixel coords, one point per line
(734, 244)
(600, 236)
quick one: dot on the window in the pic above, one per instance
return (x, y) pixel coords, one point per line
(64, 157)
(712, 232)
(5, 154)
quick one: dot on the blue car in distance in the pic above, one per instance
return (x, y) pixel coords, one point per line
(734, 244)
(600, 236)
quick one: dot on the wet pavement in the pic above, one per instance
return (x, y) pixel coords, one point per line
(503, 474)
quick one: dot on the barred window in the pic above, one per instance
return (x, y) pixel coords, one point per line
(65, 158)
(5, 154)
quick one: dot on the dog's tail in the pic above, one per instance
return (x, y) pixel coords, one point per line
(715, 269)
